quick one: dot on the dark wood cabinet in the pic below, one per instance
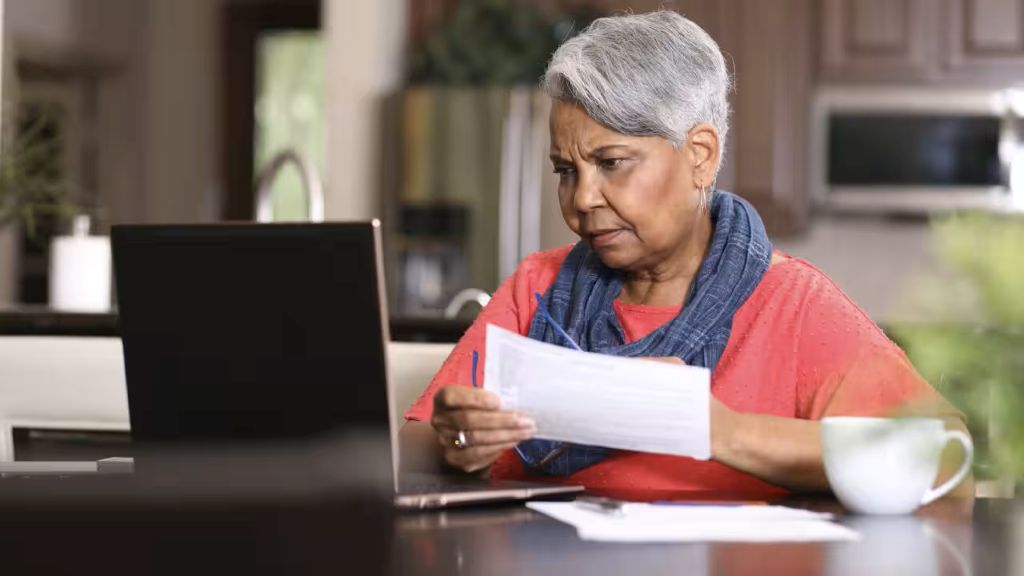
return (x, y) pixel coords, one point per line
(878, 40)
(984, 40)
(921, 41)
(767, 43)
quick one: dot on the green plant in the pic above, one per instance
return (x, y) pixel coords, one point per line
(33, 188)
(491, 42)
(974, 350)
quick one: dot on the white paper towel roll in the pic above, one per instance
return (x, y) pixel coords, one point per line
(80, 273)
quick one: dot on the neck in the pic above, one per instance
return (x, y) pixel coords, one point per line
(667, 283)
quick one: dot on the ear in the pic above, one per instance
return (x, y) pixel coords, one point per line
(705, 153)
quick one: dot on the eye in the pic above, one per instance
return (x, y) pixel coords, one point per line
(610, 163)
(564, 171)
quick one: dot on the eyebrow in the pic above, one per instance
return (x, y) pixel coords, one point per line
(556, 157)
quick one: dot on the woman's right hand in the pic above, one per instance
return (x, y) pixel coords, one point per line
(488, 430)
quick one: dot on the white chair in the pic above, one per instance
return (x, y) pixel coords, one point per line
(74, 383)
(58, 382)
(410, 368)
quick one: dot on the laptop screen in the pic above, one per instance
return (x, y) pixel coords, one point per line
(251, 331)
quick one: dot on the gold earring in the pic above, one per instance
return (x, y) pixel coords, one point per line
(703, 204)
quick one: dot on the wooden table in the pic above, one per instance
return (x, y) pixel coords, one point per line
(950, 537)
(270, 517)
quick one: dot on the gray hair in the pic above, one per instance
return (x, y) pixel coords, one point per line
(655, 74)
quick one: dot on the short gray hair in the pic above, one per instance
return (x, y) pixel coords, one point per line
(655, 74)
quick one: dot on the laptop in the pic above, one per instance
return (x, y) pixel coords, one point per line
(267, 332)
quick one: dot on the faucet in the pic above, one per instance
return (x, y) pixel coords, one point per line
(464, 297)
(311, 184)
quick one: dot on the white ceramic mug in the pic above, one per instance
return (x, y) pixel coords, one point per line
(888, 465)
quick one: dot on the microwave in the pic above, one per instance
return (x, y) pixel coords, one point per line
(916, 151)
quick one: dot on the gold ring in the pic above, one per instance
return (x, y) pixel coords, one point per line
(460, 440)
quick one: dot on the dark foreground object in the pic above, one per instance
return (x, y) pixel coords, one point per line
(240, 512)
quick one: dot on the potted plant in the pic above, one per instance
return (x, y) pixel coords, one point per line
(491, 43)
(37, 197)
(973, 350)
(32, 189)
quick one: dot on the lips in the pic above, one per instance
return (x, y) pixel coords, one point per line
(605, 237)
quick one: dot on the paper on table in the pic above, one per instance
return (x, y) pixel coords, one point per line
(601, 400)
(660, 523)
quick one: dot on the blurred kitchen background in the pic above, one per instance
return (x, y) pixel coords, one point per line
(855, 122)
(424, 113)
(879, 139)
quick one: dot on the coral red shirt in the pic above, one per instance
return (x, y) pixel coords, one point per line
(799, 348)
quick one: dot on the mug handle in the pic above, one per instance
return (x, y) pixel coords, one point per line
(965, 441)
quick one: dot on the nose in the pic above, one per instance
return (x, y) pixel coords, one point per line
(587, 194)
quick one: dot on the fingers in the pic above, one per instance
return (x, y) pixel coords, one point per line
(487, 430)
(462, 397)
(446, 436)
(480, 420)
(482, 446)
(475, 458)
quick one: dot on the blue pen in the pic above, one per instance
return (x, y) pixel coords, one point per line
(562, 447)
(476, 359)
(558, 329)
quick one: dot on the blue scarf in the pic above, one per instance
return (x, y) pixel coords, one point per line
(580, 301)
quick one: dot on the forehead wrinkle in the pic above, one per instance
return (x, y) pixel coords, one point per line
(585, 135)
(587, 146)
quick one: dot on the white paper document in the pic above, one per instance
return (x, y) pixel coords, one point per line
(700, 523)
(600, 400)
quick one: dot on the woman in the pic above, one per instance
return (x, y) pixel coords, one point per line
(668, 268)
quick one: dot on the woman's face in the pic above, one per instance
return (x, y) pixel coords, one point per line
(634, 199)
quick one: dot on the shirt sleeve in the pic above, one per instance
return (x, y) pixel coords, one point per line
(512, 307)
(849, 367)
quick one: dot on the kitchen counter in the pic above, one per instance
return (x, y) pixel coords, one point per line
(44, 321)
